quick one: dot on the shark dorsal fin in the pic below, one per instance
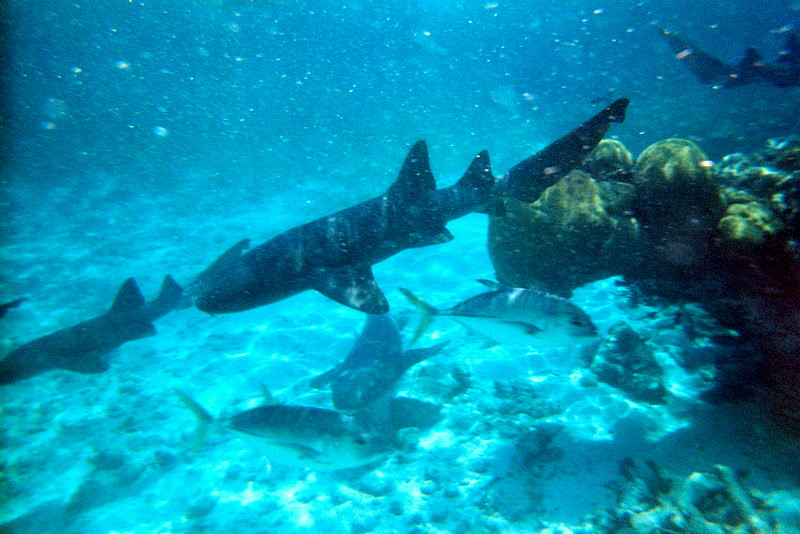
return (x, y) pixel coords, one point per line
(415, 175)
(791, 50)
(478, 176)
(129, 299)
(168, 298)
(353, 286)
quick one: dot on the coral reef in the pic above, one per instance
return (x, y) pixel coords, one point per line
(609, 161)
(677, 202)
(578, 229)
(702, 503)
(726, 236)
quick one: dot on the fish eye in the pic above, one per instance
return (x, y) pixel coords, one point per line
(361, 439)
(577, 321)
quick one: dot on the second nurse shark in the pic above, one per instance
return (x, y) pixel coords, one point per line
(334, 254)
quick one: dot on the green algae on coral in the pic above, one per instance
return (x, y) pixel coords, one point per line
(564, 239)
(677, 198)
(748, 224)
(610, 160)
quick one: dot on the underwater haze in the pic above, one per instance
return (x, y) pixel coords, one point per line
(145, 138)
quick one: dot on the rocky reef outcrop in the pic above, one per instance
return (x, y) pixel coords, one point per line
(678, 226)
(625, 362)
(717, 502)
(579, 230)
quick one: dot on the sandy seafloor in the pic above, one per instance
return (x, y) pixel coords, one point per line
(113, 453)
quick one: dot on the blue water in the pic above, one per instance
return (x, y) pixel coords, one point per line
(143, 138)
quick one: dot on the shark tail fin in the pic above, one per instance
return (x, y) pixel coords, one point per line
(168, 299)
(204, 419)
(425, 309)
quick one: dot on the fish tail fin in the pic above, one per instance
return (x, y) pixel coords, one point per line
(426, 310)
(204, 419)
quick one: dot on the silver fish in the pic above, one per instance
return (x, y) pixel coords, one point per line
(303, 436)
(515, 316)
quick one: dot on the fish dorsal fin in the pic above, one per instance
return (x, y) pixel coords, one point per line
(353, 286)
(129, 299)
(415, 176)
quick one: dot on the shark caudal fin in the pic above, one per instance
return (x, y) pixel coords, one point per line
(426, 310)
(528, 179)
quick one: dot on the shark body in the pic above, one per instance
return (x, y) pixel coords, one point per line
(783, 72)
(372, 368)
(334, 254)
(80, 348)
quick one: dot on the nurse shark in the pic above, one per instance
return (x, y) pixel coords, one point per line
(82, 348)
(334, 255)
(783, 72)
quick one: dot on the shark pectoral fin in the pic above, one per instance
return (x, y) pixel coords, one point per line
(87, 366)
(491, 284)
(414, 356)
(353, 286)
(320, 381)
(425, 240)
(528, 328)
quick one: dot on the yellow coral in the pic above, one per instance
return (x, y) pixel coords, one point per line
(610, 160)
(677, 198)
(748, 224)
